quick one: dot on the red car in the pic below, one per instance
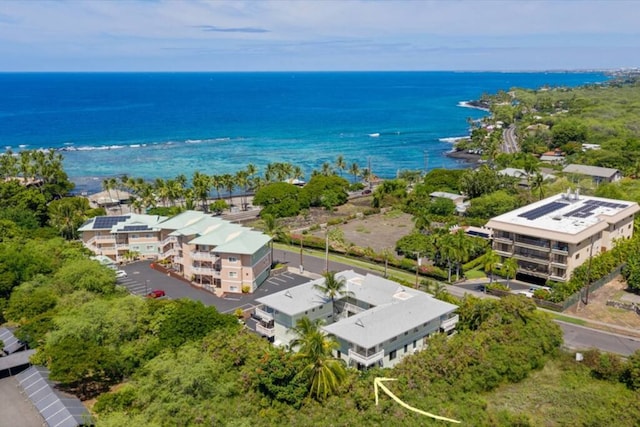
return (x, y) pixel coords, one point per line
(156, 293)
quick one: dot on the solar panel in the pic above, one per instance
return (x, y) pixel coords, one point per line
(105, 222)
(586, 210)
(542, 210)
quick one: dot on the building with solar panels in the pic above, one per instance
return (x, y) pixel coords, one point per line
(113, 236)
(212, 253)
(552, 237)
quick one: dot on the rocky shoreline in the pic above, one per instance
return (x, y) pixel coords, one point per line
(464, 156)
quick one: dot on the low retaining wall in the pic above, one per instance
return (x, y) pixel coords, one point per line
(168, 272)
(630, 306)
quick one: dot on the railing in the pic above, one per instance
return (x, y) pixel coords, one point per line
(364, 359)
(544, 244)
(502, 239)
(450, 323)
(352, 308)
(264, 315)
(268, 332)
(170, 239)
(529, 258)
(560, 250)
(503, 253)
(178, 259)
(206, 270)
(204, 256)
(557, 278)
(105, 237)
(557, 263)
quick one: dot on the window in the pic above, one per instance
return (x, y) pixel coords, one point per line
(233, 274)
(392, 355)
(577, 256)
(393, 339)
(233, 259)
(414, 344)
(406, 347)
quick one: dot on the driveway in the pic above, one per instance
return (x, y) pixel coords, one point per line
(142, 279)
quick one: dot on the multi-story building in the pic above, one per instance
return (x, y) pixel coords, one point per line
(376, 324)
(551, 237)
(208, 251)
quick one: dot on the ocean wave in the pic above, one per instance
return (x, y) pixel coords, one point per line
(470, 104)
(374, 135)
(452, 139)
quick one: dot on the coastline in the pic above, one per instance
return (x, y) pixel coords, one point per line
(464, 156)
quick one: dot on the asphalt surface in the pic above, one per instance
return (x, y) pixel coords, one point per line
(141, 279)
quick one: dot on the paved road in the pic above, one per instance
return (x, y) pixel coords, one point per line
(510, 142)
(580, 338)
(142, 279)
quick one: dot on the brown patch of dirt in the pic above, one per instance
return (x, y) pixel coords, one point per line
(598, 310)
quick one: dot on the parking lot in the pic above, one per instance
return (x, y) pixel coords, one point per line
(142, 279)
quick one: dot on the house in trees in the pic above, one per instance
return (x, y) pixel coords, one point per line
(210, 252)
(376, 323)
(597, 174)
(552, 237)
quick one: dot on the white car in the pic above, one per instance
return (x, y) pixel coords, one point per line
(120, 274)
(527, 294)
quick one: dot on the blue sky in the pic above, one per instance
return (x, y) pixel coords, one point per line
(198, 35)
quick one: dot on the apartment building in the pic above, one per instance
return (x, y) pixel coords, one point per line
(551, 237)
(210, 252)
(378, 324)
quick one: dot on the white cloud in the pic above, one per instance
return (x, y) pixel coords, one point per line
(315, 34)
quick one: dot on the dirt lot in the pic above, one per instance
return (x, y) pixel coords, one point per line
(599, 311)
(378, 231)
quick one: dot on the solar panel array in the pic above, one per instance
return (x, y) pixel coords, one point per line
(56, 410)
(136, 228)
(103, 222)
(542, 210)
(586, 210)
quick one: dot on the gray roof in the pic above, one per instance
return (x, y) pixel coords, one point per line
(11, 343)
(397, 308)
(379, 324)
(57, 409)
(14, 360)
(591, 170)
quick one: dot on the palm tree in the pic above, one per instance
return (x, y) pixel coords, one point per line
(538, 185)
(510, 268)
(491, 260)
(341, 165)
(201, 184)
(229, 183)
(354, 170)
(273, 228)
(333, 287)
(323, 372)
(216, 182)
(326, 169)
(460, 250)
(242, 180)
(304, 328)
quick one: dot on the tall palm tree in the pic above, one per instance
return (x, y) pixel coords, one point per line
(323, 372)
(510, 268)
(333, 287)
(229, 183)
(326, 169)
(273, 228)
(354, 170)
(461, 249)
(490, 261)
(341, 165)
(216, 182)
(538, 185)
(201, 184)
(242, 180)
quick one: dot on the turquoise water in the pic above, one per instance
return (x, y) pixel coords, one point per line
(163, 124)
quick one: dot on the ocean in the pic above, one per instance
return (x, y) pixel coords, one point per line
(159, 125)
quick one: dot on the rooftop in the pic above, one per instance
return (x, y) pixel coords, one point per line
(396, 308)
(591, 170)
(567, 213)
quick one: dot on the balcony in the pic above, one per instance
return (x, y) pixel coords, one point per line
(209, 271)
(178, 260)
(503, 253)
(264, 315)
(170, 239)
(530, 258)
(557, 278)
(366, 358)
(560, 250)
(532, 243)
(204, 256)
(503, 239)
(559, 263)
(266, 331)
(450, 323)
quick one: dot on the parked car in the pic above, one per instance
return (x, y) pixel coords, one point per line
(527, 294)
(156, 293)
(121, 274)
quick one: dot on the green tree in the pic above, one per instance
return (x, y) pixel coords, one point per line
(321, 188)
(67, 215)
(333, 287)
(510, 268)
(321, 370)
(490, 262)
(281, 199)
(273, 228)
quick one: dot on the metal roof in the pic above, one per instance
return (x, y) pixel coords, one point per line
(591, 170)
(57, 409)
(11, 343)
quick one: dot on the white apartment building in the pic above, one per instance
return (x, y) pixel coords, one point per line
(377, 325)
(551, 237)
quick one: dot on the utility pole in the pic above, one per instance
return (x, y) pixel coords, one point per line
(417, 266)
(326, 250)
(370, 173)
(586, 299)
(301, 256)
